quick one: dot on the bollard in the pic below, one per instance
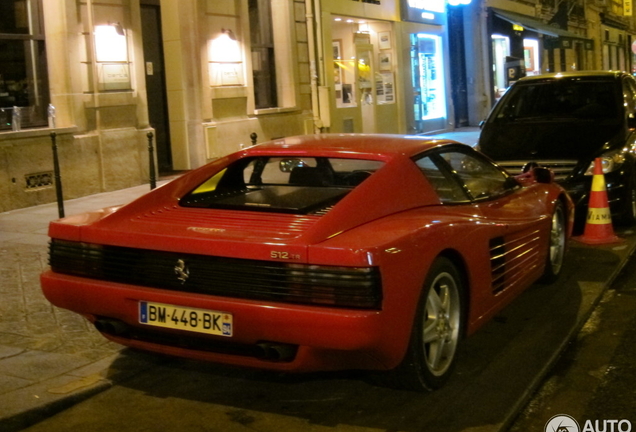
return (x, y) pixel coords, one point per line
(58, 177)
(151, 157)
(16, 119)
(253, 137)
(50, 112)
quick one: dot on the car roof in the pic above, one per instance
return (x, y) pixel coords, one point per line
(372, 146)
(579, 74)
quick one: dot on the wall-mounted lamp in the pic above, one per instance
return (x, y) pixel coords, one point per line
(111, 53)
(110, 43)
(225, 48)
(226, 59)
(118, 28)
(229, 33)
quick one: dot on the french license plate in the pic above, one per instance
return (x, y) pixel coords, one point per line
(183, 318)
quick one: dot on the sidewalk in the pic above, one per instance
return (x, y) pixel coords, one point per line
(49, 358)
(466, 135)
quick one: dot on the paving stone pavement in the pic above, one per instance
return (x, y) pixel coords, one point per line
(49, 357)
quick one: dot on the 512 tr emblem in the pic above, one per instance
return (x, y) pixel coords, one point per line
(283, 255)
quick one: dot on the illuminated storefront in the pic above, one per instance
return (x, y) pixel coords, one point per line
(428, 63)
(428, 79)
(361, 69)
(386, 66)
(518, 41)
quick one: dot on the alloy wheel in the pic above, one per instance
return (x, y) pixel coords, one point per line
(557, 240)
(442, 322)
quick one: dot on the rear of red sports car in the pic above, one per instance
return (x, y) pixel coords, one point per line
(308, 254)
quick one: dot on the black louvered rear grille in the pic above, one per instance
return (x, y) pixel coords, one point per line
(355, 287)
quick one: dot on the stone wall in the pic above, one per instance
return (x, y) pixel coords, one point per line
(89, 164)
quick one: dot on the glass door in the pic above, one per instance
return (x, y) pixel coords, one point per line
(428, 81)
(365, 81)
(500, 50)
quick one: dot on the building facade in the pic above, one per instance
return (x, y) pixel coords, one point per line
(506, 39)
(199, 79)
(201, 76)
(54, 80)
(383, 66)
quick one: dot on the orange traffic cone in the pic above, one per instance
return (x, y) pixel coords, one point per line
(598, 228)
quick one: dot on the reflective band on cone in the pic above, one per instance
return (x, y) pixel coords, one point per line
(598, 227)
(599, 216)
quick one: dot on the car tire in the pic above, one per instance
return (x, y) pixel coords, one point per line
(557, 244)
(437, 330)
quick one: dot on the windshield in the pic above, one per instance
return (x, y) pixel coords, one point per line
(302, 185)
(560, 99)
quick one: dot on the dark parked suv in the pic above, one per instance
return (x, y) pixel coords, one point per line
(563, 122)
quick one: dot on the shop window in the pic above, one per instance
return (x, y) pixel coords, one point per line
(363, 63)
(531, 56)
(271, 43)
(579, 53)
(500, 50)
(346, 67)
(24, 93)
(428, 77)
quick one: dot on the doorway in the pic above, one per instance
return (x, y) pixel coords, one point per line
(429, 87)
(457, 51)
(156, 82)
(365, 79)
(500, 51)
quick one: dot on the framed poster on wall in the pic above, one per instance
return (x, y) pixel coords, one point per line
(384, 88)
(384, 40)
(385, 61)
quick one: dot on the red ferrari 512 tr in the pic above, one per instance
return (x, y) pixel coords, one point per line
(321, 252)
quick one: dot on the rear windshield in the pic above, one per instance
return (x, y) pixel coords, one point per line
(302, 185)
(560, 99)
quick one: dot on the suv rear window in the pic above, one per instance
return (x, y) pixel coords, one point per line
(560, 99)
(302, 185)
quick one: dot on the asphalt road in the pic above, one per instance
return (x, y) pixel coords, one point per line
(595, 378)
(499, 368)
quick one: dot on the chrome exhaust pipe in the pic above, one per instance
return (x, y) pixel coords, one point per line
(274, 351)
(283, 352)
(109, 326)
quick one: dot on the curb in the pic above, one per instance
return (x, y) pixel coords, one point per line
(54, 403)
(35, 403)
(572, 334)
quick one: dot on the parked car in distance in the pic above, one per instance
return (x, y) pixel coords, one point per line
(324, 252)
(564, 121)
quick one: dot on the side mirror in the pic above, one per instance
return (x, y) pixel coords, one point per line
(543, 175)
(534, 173)
(529, 166)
